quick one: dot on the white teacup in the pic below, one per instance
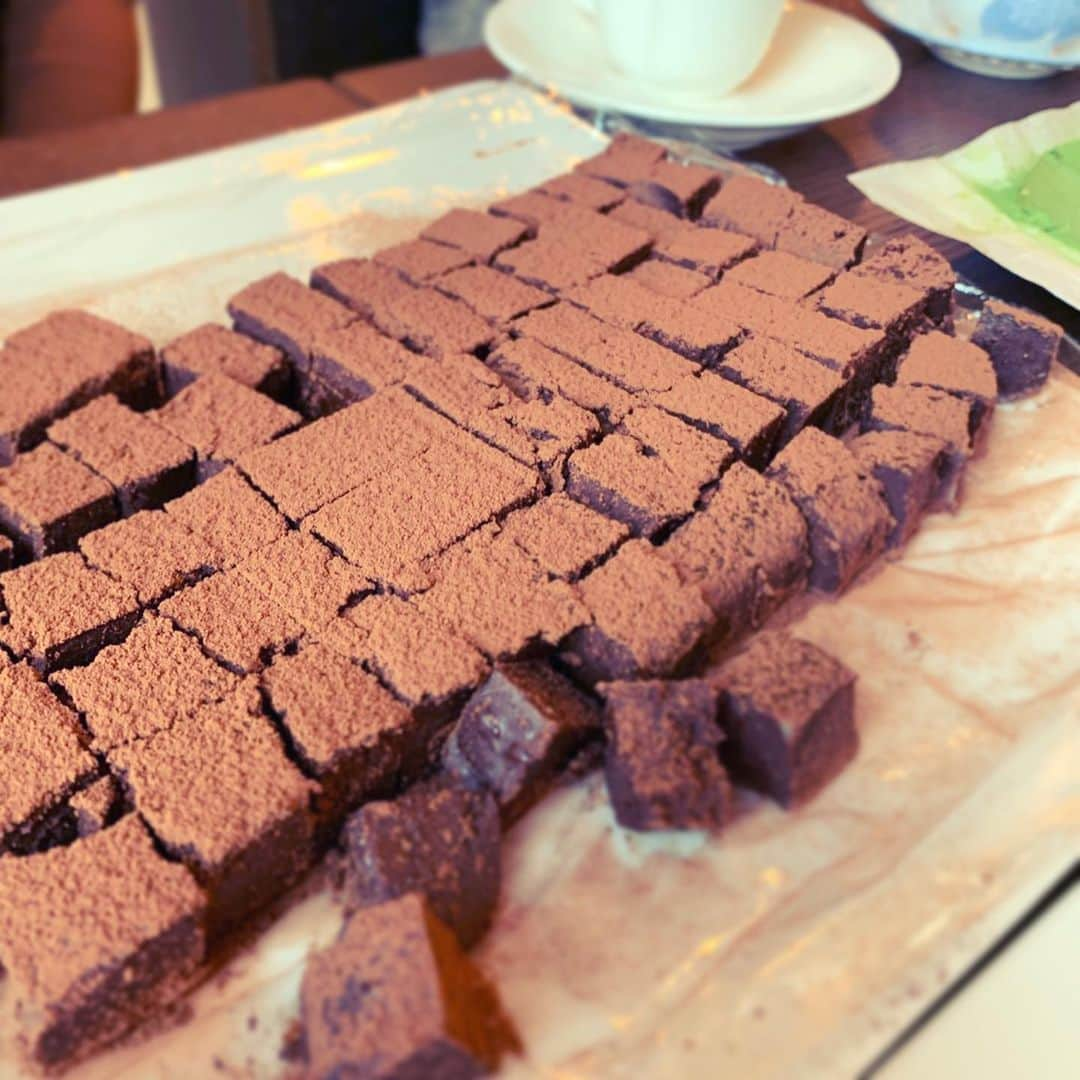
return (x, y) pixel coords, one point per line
(700, 45)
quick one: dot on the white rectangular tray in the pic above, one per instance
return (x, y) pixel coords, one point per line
(792, 944)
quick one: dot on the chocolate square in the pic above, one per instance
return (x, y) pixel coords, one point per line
(49, 499)
(651, 220)
(235, 622)
(709, 251)
(222, 798)
(752, 207)
(531, 208)
(623, 160)
(845, 512)
(613, 243)
(912, 262)
(909, 467)
(779, 273)
(112, 692)
(63, 361)
(230, 515)
(349, 733)
(139, 942)
(669, 279)
(141, 459)
(746, 551)
(478, 234)
(212, 348)
(552, 265)
(418, 261)
(677, 188)
(787, 709)
(517, 733)
(395, 995)
(927, 412)
(350, 364)
(43, 760)
(583, 190)
(152, 552)
(661, 765)
(646, 622)
(1021, 346)
(810, 392)
(440, 840)
(814, 233)
(59, 612)
(493, 296)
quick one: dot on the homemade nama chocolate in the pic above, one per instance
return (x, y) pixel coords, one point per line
(517, 732)
(132, 927)
(662, 766)
(1021, 346)
(212, 348)
(440, 840)
(395, 996)
(787, 709)
(478, 234)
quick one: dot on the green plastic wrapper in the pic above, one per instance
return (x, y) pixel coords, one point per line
(1013, 194)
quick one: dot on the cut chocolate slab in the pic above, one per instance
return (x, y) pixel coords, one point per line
(222, 419)
(439, 840)
(132, 927)
(309, 468)
(909, 467)
(384, 530)
(788, 711)
(230, 515)
(304, 578)
(48, 500)
(534, 369)
(113, 693)
(42, 759)
(491, 593)
(621, 479)
(847, 517)
(517, 733)
(212, 348)
(677, 188)
(60, 612)
(612, 352)
(956, 366)
(911, 261)
(814, 233)
(60, 363)
(645, 620)
(142, 460)
(752, 207)
(809, 392)
(563, 536)
(493, 296)
(419, 261)
(749, 422)
(669, 279)
(551, 265)
(417, 656)
(746, 551)
(661, 766)
(395, 996)
(478, 234)
(234, 621)
(278, 310)
(95, 806)
(535, 430)
(1021, 346)
(152, 552)
(873, 304)
(613, 243)
(779, 273)
(584, 190)
(623, 160)
(349, 364)
(361, 285)
(651, 220)
(221, 796)
(349, 733)
(687, 451)
(531, 208)
(709, 251)
(926, 412)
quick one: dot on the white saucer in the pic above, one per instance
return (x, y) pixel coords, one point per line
(821, 65)
(968, 48)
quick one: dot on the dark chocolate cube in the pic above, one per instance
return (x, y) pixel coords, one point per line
(662, 765)
(1021, 344)
(788, 711)
(517, 733)
(212, 348)
(395, 996)
(439, 840)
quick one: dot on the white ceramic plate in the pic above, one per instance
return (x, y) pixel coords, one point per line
(822, 64)
(1002, 55)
